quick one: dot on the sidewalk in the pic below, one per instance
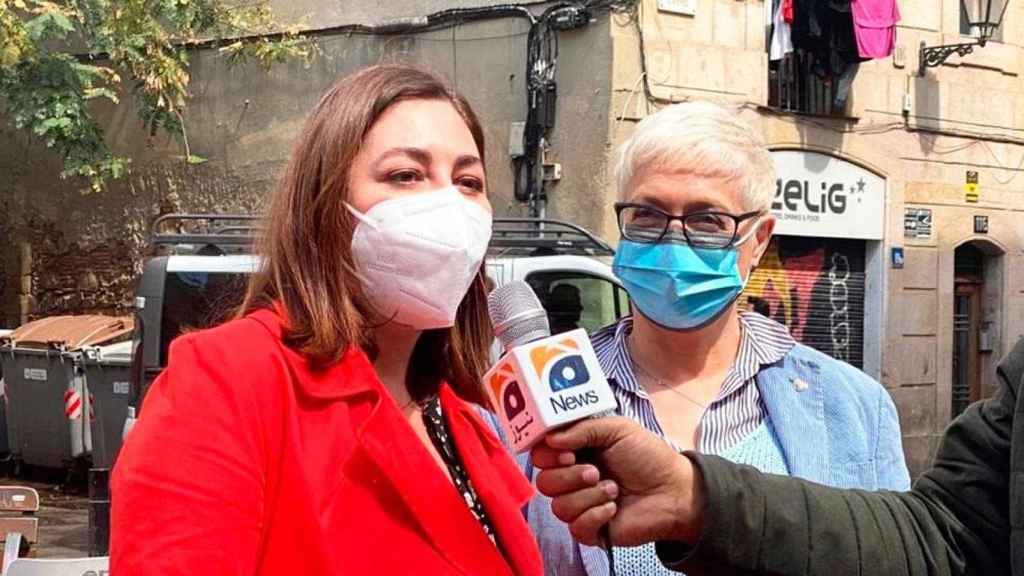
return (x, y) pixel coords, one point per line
(63, 519)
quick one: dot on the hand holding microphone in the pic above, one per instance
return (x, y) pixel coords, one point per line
(544, 383)
(660, 493)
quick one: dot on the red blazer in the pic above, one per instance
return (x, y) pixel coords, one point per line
(245, 461)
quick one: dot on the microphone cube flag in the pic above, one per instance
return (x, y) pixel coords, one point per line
(545, 384)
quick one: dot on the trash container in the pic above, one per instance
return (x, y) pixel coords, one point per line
(108, 378)
(5, 446)
(47, 398)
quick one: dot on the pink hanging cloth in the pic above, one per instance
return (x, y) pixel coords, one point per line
(874, 23)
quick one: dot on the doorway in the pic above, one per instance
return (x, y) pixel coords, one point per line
(968, 293)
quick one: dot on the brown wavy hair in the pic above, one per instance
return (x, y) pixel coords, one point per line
(307, 235)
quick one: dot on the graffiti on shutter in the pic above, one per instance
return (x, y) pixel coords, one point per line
(815, 287)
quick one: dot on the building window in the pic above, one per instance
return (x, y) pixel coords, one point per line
(794, 85)
(971, 9)
(578, 300)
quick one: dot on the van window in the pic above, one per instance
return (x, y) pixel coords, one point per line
(197, 300)
(576, 300)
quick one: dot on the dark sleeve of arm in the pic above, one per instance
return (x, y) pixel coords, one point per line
(955, 519)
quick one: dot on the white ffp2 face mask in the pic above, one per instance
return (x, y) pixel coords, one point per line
(417, 255)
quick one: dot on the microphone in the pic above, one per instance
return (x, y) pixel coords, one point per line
(542, 381)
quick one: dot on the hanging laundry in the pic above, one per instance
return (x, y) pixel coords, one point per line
(826, 45)
(842, 50)
(782, 42)
(874, 23)
(806, 30)
(824, 29)
(841, 86)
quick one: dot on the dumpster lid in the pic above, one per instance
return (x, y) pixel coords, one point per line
(69, 332)
(120, 352)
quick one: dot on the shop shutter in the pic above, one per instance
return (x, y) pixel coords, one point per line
(815, 286)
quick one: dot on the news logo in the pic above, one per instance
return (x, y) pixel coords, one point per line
(507, 391)
(545, 384)
(560, 365)
(509, 398)
(563, 368)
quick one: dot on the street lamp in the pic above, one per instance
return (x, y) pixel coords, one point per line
(983, 18)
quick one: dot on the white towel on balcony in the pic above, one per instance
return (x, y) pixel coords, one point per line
(782, 40)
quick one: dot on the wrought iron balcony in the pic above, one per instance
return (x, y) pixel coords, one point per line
(793, 86)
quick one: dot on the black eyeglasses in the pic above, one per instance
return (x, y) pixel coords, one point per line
(703, 229)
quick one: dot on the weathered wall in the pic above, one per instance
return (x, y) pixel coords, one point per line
(9, 278)
(84, 250)
(719, 53)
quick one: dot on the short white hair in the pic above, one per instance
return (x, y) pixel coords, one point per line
(701, 138)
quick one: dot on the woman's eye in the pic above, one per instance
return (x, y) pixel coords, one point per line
(404, 176)
(474, 184)
(645, 216)
(707, 221)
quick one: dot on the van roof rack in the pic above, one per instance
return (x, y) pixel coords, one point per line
(234, 234)
(190, 233)
(537, 236)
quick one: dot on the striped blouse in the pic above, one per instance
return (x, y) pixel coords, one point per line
(735, 413)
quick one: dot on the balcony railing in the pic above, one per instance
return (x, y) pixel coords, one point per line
(794, 86)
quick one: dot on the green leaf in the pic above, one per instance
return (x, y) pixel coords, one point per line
(51, 123)
(62, 22)
(49, 92)
(107, 93)
(50, 24)
(37, 26)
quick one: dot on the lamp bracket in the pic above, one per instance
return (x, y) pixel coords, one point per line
(931, 56)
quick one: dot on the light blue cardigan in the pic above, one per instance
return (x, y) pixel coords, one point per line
(836, 425)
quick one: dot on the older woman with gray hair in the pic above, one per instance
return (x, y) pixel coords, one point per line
(695, 187)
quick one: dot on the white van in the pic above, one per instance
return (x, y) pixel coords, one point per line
(203, 264)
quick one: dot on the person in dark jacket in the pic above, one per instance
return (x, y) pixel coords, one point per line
(965, 515)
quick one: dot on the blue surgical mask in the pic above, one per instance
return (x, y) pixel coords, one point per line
(676, 285)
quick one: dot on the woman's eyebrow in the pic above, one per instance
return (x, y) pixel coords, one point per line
(418, 154)
(467, 161)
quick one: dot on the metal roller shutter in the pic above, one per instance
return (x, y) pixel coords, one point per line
(815, 286)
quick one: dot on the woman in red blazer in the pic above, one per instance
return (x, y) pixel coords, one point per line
(326, 430)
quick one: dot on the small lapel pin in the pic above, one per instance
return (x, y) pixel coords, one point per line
(799, 385)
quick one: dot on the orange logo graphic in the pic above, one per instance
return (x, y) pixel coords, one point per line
(499, 379)
(542, 355)
(560, 365)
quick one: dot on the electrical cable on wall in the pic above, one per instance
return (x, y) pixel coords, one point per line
(542, 60)
(529, 184)
(541, 64)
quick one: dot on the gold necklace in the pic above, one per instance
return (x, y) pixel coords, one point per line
(662, 383)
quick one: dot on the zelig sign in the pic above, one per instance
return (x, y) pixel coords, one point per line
(823, 196)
